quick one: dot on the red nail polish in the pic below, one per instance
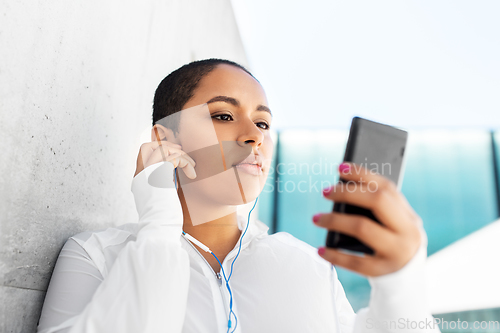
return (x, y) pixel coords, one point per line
(327, 190)
(321, 250)
(344, 168)
(316, 217)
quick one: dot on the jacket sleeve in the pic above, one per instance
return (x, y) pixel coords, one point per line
(397, 301)
(147, 286)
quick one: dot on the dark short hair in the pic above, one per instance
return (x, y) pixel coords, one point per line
(175, 90)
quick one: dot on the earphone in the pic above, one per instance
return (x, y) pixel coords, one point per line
(206, 249)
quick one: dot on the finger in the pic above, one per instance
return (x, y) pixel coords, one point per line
(376, 236)
(161, 153)
(366, 265)
(185, 164)
(152, 146)
(157, 155)
(384, 203)
(176, 157)
(148, 148)
(175, 150)
(356, 172)
(179, 160)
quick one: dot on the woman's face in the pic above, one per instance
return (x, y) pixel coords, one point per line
(237, 123)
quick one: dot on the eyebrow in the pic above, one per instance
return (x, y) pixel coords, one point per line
(236, 103)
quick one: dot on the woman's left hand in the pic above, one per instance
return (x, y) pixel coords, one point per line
(394, 242)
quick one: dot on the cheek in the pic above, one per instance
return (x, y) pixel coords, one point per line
(197, 130)
(223, 132)
(196, 140)
(222, 188)
(252, 186)
(267, 151)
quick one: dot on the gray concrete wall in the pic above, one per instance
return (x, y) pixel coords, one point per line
(77, 81)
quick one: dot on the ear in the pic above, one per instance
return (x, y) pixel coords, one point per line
(160, 132)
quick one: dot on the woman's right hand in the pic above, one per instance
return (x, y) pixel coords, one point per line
(157, 151)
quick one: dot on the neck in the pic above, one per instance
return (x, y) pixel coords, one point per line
(219, 234)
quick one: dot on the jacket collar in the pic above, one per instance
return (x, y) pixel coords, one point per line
(256, 230)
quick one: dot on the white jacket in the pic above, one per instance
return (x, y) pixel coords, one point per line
(146, 277)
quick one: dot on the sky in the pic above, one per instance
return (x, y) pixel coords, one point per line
(410, 64)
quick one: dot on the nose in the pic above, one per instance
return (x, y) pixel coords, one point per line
(251, 134)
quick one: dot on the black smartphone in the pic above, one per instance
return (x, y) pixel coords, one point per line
(376, 147)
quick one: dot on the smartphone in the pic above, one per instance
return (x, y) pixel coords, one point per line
(376, 147)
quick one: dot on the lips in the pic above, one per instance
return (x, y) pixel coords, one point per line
(252, 164)
(253, 169)
(252, 159)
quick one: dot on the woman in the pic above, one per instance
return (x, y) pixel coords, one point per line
(192, 264)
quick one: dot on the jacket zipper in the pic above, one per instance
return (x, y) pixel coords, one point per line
(217, 275)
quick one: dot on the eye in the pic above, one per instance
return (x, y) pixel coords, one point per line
(227, 117)
(266, 126)
(223, 115)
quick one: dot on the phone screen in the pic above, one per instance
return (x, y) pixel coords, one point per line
(376, 147)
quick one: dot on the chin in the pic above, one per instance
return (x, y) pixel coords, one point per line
(224, 188)
(231, 192)
(233, 195)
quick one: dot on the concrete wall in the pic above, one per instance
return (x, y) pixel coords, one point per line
(77, 81)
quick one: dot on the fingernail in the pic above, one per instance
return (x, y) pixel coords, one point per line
(327, 190)
(316, 217)
(321, 250)
(344, 168)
